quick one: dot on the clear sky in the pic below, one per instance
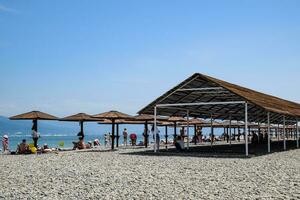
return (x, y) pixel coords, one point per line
(69, 56)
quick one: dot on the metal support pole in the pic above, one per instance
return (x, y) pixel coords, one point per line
(284, 134)
(258, 134)
(188, 129)
(246, 129)
(278, 132)
(297, 133)
(155, 127)
(230, 134)
(211, 130)
(195, 133)
(146, 134)
(269, 134)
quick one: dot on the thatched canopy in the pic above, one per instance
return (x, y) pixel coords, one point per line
(120, 121)
(34, 115)
(202, 123)
(80, 117)
(149, 118)
(234, 124)
(113, 115)
(200, 88)
(176, 119)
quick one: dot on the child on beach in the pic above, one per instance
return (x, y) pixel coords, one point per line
(5, 143)
(106, 139)
(133, 138)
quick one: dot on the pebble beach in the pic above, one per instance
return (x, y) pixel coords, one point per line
(124, 174)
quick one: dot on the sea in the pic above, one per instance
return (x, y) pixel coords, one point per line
(56, 133)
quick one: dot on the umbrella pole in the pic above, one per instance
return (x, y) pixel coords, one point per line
(113, 134)
(175, 132)
(81, 129)
(117, 144)
(35, 128)
(166, 135)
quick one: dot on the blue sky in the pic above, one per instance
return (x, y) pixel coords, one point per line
(69, 56)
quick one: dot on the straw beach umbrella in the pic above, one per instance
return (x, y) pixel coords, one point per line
(113, 116)
(34, 116)
(81, 118)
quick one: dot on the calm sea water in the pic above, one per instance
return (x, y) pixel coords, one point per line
(52, 133)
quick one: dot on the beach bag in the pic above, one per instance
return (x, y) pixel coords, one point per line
(33, 150)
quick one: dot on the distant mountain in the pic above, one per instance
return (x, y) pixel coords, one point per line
(24, 126)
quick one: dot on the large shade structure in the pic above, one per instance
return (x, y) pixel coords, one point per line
(113, 116)
(202, 96)
(81, 118)
(34, 116)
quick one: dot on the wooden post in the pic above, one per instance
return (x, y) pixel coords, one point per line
(227, 134)
(113, 134)
(81, 128)
(166, 136)
(35, 128)
(117, 144)
(175, 131)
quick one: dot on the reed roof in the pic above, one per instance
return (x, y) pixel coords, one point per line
(34, 115)
(214, 90)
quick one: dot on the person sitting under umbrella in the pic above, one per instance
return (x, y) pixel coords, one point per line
(133, 138)
(23, 148)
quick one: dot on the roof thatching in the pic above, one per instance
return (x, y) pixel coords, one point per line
(113, 115)
(202, 123)
(194, 122)
(123, 121)
(176, 119)
(149, 118)
(80, 117)
(233, 124)
(201, 88)
(34, 115)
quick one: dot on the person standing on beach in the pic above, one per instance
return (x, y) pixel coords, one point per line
(105, 140)
(125, 136)
(5, 143)
(157, 141)
(35, 137)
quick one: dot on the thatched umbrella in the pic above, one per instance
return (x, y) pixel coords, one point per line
(34, 116)
(113, 116)
(80, 117)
